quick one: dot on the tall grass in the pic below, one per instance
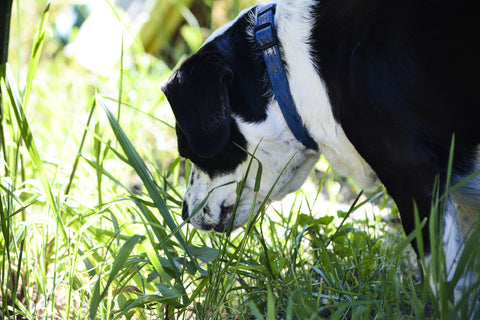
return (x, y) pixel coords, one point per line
(90, 197)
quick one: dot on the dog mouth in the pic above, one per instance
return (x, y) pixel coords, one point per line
(226, 212)
(205, 222)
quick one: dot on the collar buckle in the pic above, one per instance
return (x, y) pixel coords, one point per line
(266, 36)
(265, 32)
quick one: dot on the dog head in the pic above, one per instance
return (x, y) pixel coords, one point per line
(225, 114)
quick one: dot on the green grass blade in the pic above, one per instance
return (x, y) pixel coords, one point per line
(80, 148)
(120, 83)
(27, 137)
(143, 112)
(141, 169)
(270, 303)
(139, 166)
(35, 55)
(121, 259)
(254, 309)
(118, 264)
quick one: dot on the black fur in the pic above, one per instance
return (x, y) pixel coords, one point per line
(402, 78)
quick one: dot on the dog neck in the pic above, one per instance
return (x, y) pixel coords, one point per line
(294, 26)
(266, 37)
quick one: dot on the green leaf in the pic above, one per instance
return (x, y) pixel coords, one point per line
(121, 300)
(205, 254)
(325, 220)
(254, 309)
(138, 302)
(170, 295)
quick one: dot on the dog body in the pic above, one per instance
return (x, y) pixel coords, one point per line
(382, 87)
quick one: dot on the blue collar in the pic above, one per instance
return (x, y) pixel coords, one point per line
(266, 36)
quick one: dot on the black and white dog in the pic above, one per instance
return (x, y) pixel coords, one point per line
(380, 86)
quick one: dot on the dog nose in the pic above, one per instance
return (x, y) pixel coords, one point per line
(184, 210)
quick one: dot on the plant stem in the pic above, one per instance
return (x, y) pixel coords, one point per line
(5, 14)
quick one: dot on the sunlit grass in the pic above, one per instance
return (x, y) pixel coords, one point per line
(91, 188)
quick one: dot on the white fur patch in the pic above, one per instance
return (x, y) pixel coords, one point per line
(294, 23)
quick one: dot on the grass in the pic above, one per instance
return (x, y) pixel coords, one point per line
(90, 199)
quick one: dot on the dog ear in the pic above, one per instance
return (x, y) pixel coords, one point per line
(199, 97)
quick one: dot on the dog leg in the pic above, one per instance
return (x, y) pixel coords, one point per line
(455, 232)
(468, 217)
(452, 239)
